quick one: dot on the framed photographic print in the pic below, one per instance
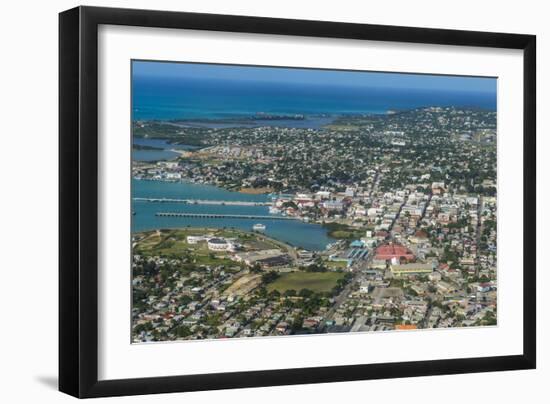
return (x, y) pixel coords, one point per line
(251, 201)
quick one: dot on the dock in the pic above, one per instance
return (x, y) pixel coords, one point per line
(202, 202)
(223, 216)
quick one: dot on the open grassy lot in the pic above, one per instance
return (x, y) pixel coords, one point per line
(315, 281)
(259, 244)
(243, 285)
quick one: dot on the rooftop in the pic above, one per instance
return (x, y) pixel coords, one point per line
(389, 251)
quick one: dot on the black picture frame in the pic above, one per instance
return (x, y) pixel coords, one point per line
(78, 196)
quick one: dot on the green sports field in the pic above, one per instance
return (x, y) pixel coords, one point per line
(315, 281)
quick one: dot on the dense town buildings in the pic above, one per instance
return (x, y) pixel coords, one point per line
(409, 197)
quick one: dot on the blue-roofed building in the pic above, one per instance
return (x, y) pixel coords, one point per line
(357, 244)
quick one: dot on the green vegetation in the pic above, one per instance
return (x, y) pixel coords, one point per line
(154, 129)
(342, 231)
(268, 277)
(314, 281)
(145, 147)
(490, 318)
(173, 133)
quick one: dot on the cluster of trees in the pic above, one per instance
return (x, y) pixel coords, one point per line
(341, 283)
(449, 255)
(310, 303)
(268, 277)
(342, 231)
(315, 267)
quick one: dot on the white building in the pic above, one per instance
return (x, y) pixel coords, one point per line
(333, 205)
(195, 239)
(168, 164)
(218, 244)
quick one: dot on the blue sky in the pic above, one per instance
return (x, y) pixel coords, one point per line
(313, 76)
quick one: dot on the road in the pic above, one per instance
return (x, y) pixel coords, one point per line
(424, 321)
(478, 232)
(374, 182)
(338, 301)
(397, 215)
(424, 210)
(356, 269)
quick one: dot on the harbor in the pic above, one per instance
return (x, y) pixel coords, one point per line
(227, 210)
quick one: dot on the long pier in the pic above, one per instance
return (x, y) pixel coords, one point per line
(202, 202)
(223, 216)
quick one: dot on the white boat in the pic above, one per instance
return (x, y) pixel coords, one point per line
(274, 210)
(258, 227)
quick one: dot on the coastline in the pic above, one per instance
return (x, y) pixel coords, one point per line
(291, 249)
(180, 152)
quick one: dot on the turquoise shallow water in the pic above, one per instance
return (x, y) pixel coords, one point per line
(297, 233)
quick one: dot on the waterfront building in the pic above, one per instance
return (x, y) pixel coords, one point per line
(305, 254)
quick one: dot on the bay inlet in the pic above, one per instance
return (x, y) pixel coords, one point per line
(294, 232)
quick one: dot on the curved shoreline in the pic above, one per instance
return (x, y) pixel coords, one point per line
(283, 245)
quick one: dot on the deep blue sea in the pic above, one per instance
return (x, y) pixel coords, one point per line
(170, 98)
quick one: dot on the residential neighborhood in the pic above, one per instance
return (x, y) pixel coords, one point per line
(407, 200)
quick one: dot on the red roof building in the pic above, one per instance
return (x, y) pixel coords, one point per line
(390, 251)
(405, 327)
